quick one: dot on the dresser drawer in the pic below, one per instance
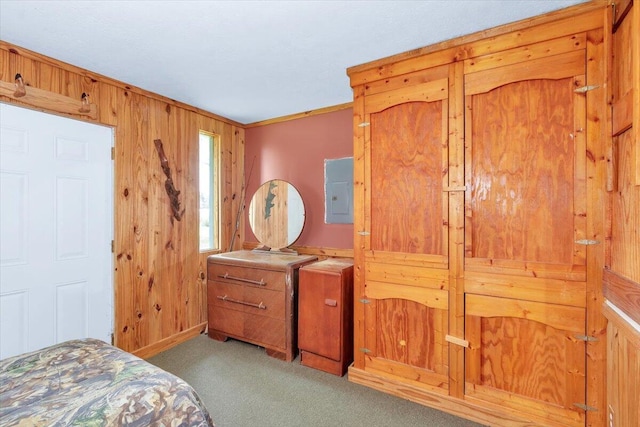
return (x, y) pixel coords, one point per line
(261, 330)
(247, 299)
(266, 279)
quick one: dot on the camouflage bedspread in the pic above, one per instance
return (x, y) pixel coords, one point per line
(90, 383)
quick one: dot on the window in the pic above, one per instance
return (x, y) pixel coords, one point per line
(209, 227)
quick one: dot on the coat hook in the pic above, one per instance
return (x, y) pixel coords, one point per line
(86, 107)
(20, 89)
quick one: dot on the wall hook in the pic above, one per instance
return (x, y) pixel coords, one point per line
(86, 107)
(20, 89)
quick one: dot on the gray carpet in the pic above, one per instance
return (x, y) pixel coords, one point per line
(242, 386)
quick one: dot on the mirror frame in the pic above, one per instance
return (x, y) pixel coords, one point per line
(276, 214)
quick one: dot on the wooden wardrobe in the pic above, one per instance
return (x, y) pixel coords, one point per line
(479, 223)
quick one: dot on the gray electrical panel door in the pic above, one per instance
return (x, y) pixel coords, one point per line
(338, 191)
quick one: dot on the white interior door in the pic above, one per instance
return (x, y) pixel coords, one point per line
(56, 224)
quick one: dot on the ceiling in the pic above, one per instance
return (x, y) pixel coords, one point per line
(246, 60)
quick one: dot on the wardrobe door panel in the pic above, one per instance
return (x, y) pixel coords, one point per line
(526, 356)
(406, 277)
(525, 227)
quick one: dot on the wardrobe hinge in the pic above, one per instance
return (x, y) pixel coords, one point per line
(585, 89)
(363, 233)
(587, 242)
(364, 301)
(365, 350)
(363, 124)
(586, 338)
(585, 407)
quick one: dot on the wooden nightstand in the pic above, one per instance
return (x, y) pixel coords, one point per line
(325, 315)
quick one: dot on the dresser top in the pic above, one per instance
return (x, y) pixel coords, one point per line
(261, 259)
(330, 264)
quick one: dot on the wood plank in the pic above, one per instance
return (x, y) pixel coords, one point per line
(170, 342)
(429, 297)
(623, 293)
(554, 67)
(597, 134)
(360, 241)
(561, 317)
(526, 53)
(545, 415)
(623, 369)
(408, 80)
(635, 65)
(399, 274)
(296, 116)
(576, 273)
(407, 259)
(425, 92)
(49, 101)
(455, 226)
(557, 291)
(622, 118)
(475, 411)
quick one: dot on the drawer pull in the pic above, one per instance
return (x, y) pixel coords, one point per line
(331, 302)
(261, 306)
(240, 279)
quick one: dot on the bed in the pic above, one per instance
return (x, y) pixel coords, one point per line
(88, 382)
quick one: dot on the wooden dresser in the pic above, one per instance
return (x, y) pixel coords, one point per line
(325, 315)
(251, 296)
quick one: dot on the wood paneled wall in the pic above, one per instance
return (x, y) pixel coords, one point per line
(622, 276)
(159, 272)
(623, 368)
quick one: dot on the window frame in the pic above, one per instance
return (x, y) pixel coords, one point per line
(214, 192)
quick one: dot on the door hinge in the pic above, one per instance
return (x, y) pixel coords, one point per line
(113, 246)
(585, 89)
(585, 407)
(364, 350)
(113, 153)
(587, 242)
(112, 339)
(586, 338)
(364, 301)
(363, 233)
(363, 124)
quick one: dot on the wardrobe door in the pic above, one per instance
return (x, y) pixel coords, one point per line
(405, 241)
(525, 228)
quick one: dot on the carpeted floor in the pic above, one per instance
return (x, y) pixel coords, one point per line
(242, 386)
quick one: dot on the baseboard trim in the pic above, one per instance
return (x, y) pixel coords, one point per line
(169, 342)
(460, 408)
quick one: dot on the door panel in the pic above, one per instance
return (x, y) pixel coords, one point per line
(407, 250)
(523, 175)
(408, 167)
(526, 356)
(56, 218)
(525, 215)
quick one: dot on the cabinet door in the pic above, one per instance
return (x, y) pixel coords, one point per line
(525, 217)
(320, 305)
(406, 215)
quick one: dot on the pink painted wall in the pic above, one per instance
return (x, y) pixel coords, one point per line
(295, 151)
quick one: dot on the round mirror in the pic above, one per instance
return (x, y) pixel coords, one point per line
(276, 214)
